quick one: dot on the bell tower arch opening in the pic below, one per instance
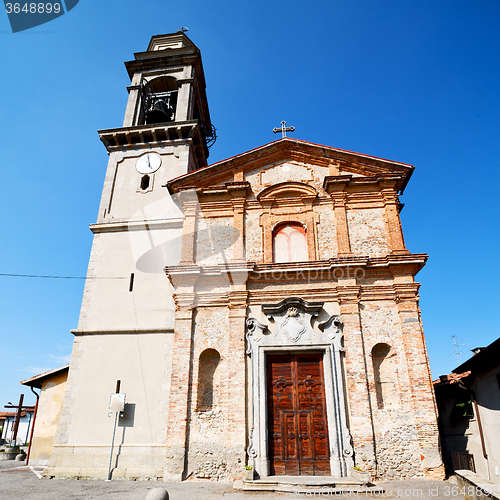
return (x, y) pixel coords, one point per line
(158, 100)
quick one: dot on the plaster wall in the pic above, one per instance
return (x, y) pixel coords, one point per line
(486, 387)
(122, 195)
(48, 415)
(107, 302)
(143, 365)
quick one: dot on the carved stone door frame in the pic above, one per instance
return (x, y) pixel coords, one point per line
(290, 329)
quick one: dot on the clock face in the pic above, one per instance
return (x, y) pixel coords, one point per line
(148, 163)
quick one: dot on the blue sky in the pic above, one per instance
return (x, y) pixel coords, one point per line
(412, 81)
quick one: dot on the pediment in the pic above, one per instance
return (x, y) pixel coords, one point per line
(300, 157)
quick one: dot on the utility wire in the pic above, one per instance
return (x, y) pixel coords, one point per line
(64, 277)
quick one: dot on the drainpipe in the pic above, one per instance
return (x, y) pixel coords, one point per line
(479, 424)
(32, 425)
(481, 433)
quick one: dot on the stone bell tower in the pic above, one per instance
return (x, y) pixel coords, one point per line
(127, 315)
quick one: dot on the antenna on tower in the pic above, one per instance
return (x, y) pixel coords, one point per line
(457, 352)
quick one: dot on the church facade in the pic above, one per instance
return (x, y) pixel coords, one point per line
(259, 311)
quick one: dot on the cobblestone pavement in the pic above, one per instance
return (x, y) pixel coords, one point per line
(18, 482)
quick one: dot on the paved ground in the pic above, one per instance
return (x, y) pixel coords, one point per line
(21, 483)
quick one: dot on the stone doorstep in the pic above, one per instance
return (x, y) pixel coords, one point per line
(308, 484)
(139, 474)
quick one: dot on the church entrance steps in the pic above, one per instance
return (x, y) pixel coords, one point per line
(309, 484)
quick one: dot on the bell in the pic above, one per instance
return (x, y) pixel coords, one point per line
(161, 111)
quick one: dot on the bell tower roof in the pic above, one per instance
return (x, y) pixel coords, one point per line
(167, 104)
(170, 41)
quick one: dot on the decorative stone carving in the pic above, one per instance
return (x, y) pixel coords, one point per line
(255, 330)
(251, 451)
(291, 325)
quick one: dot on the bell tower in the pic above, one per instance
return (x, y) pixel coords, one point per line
(126, 324)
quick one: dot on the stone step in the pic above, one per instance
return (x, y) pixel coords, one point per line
(309, 485)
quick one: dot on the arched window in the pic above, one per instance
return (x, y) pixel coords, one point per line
(290, 242)
(207, 383)
(144, 182)
(384, 373)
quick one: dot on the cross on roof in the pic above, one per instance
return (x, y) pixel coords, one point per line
(284, 129)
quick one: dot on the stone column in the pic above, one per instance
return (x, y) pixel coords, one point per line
(396, 240)
(360, 404)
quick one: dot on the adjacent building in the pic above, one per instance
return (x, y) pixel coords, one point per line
(469, 414)
(52, 385)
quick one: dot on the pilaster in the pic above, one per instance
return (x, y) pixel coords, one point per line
(335, 186)
(238, 192)
(130, 118)
(396, 239)
(191, 206)
(360, 414)
(180, 394)
(183, 101)
(236, 382)
(339, 208)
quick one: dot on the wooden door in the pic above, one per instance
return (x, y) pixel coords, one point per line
(297, 425)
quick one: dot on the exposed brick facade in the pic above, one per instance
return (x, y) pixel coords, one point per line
(358, 263)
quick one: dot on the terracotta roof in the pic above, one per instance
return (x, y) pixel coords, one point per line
(37, 380)
(452, 378)
(5, 414)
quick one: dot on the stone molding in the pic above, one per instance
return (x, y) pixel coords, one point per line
(124, 331)
(279, 336)
(135, 225)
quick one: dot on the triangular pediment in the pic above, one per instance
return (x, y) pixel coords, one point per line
(290, 160)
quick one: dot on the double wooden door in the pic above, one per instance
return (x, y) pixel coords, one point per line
(297, 425)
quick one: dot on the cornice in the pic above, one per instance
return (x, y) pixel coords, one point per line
(288, 149)
(332, 269)
(344, 183)
(155, 59)
(172, 133)
(124, 331)
(135, 225)
(335, 293)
